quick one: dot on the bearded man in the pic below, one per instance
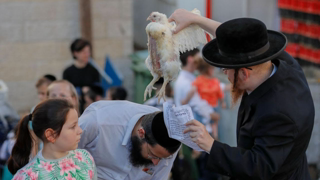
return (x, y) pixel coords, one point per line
(276, 113)
(128, 141)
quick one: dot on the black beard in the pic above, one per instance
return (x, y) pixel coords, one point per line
(136, 158)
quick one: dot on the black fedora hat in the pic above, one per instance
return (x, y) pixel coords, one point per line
(243, 42)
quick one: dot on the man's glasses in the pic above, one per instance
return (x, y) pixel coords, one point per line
(155, 157)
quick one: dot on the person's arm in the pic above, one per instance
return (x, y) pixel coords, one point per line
(223, 103)
(202, 107)
(184, 18)
(189, 96)
(90, 128)
(274, 139)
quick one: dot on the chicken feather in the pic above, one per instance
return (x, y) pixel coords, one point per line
(164, 49)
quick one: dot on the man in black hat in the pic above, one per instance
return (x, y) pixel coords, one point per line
(276, 113)
(128, 141)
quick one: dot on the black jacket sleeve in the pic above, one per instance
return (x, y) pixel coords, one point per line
(274, 139)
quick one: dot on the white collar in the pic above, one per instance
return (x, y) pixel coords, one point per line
(133, 121)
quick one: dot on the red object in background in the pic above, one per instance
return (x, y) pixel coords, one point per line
(288, 26)
(302, 28)
(315, 7)
(308, 6)
(315, 56)
(292, 49)
(208, 15)
(304, 53)
(300, 23)
(284, 4)
(309, 30)
(314, 31)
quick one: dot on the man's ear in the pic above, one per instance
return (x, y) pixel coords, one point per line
(50, 135)
(244, 74)
(141, 133)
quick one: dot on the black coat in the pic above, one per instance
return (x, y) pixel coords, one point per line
(273, 130)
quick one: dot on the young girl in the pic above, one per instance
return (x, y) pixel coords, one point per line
(209, 89)
(55, 122)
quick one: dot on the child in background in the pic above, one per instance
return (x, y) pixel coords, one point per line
(42, 86)
(55, 122)
(65, 90)
(209, 89)
(94, 94)
(116, 93)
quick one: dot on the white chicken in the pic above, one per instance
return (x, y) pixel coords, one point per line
(164, 49)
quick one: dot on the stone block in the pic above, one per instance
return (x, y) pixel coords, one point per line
(99, 29)
(63, 51)
(51, 30)
(105, 9)
(126, 7)
(119, 28)
(54, 68)
(111, 47)
(22, 95)
(13, 11)
(11, 32)
(35, 52)
(16, 71)
(67, 10)
(127, 46)
(41, 11)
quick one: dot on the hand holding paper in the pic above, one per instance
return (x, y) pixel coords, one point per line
(176, 119)
(199, 135)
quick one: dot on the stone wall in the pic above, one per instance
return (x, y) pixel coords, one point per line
(35, 36)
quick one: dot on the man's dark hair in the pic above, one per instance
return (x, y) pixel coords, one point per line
(118, 93)
(156, 132)
(77, 46)
(184, 56)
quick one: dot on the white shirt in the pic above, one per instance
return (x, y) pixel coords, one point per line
(155, 103)
(107, 128)
(182, 87)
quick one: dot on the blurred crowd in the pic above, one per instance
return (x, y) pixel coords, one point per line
(195, 86)
(80, 85)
